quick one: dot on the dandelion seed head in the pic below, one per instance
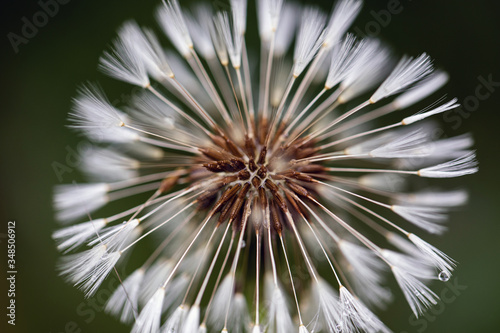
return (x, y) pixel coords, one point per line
(270, 192)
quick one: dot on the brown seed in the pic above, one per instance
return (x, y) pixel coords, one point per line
(292, 201)
(233, 148)
(226, 209)
(219, 141)
(214, 167)
(271, 186)
(252, 166)
(206, 199)
(277, 196)
(276, 218)
(311, 168)
(303, 153)
(239, 201)
(230, 192)
(250, 147)
(213, 154)
(244, 174)
(262, 155)
(276, 177)
(256, 182)
(169, 182)
(298, 189)
(262, 197)
(281, 202)
(228, 180)
(262, 172)
(238, 164)
(263, 129)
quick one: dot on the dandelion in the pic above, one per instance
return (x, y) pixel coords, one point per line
(269, 198)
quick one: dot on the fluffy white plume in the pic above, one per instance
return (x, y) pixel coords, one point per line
(433, 255)
(88, 269)
(154, 278)
(275, 7)
(265, 29)
(425, 114)
(406, 73)
(222, 297)
(280, 320)
(151, 109)
(94, 115)
(309, 38)
(344, 14)
(387, 182)
(415, 266)
(149, 51)
(303, 329)
(427, 218)
(330, 312)
(239, 8)
(418, 295)
(366, 146)
(356, 316)
(171, 19)
(175, 291)
(73, 236)
(403, 244)
(116, 236)
(149, 319)
(73, 201)
(343, 59)
(403, 146)
(231, 36)
(192, 321)
(434, 198)
(451, 147)
(125, 299)
(175, 321)
(239, 318)
(109, 165)
(440, 150)
(425, 88)
(124, 62)
(156, 62)
(200, 26)
(368, 70)
(367, 274)
(464, 165)
(286, 29)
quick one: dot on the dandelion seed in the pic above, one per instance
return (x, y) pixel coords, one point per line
(418, 295)
(309, 38)
(73, 236)
(149, 319)
(125, 300)
(269, 200)
(74, 201)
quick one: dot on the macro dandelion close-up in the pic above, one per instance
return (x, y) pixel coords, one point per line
(273, 170)
(255, 169)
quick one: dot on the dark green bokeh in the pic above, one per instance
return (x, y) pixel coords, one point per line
(40, 80)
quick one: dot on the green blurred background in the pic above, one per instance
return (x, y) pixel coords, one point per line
(39, 81)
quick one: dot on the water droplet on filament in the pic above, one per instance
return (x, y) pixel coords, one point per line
(444, 276)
